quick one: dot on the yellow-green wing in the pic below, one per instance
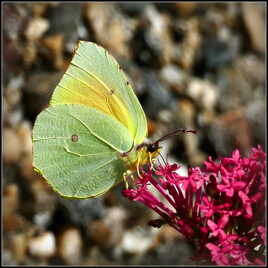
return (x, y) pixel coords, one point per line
(95, 79)
(77, 149)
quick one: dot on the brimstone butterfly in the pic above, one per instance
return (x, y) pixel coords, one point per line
(94, 128)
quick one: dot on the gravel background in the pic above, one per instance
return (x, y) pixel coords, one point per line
(192, 65)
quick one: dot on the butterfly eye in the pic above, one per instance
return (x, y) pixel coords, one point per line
(74, 138)
(127, 83)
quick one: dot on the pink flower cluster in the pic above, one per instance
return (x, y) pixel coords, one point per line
(221, 206)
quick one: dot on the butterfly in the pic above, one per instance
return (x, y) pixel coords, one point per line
(92, 133)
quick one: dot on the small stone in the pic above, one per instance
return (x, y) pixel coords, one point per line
(136, 242)
(13, 222)
(174, 77)
(26, 168)
(19, 247)
(255, 113)
(96, 257)
(118, 30)
(42, 218)
(11, 198)
(185, 9)
(70, 246)
(164, 235)
(36, 28)
(54, 44)
(65, 20)
(43, 195)
(13, 20)
(99, 233)
(36, 98)
(14, 117)
(24, 132)
(158, 35)
(8, 258)
(30, 53)
(132, 8)
(191, 43)
(231, 130)
(43, 246)
(39, 9)
(114, 219)
(203, 92)
(254, 15)
(252, 69)
(12, 146)
(83, 211)
(158, 97)
(185, 117)
(12, 92)
(13, 96)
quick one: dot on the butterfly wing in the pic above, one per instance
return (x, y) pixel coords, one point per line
(95, 79)
(77, 149)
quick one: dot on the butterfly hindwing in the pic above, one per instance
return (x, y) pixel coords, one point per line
(74, 151)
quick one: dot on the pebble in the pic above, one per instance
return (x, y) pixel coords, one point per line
(36, 28)
(136, 241)
(158, 97)
(165, 234)
(114, 219)
(54, 44)
(65, 20)
(70, 246)
(255, 114)
(83, 211)
(185, 9)
(42, 218)
(36, 98)
(254, 16)
(39, 9)
(14, 222)
(191, 43)
(231, 130)
(43, 246)
(8, 258)
(11, 146)
(99, 233)
(203, 92)
(118, 30)
(133, 9)
(174, 77)
(13, 92)
(158, 35)
(24, 132)
(19, 247)
(11, 198)
(26, 168)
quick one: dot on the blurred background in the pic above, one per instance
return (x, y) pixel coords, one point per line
(192, 65)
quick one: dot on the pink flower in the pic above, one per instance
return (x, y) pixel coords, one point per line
(261, 230)
(220, 206)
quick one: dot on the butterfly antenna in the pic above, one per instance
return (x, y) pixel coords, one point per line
(174, 133)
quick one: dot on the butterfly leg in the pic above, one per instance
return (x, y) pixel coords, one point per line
(125, 179)
(138, 167)
(152, 161)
